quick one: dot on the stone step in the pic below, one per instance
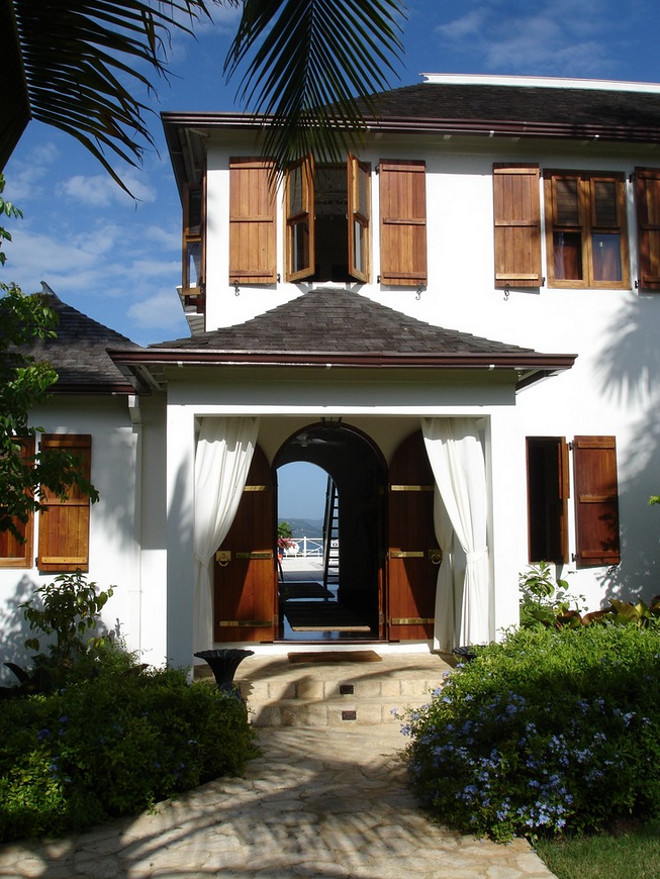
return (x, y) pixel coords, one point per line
(280, 693)
(334, 712)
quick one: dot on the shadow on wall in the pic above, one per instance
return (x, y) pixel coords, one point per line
(629, 376)
(14, 630)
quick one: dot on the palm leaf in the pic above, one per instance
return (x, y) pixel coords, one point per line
(65, 62)
(312, 67)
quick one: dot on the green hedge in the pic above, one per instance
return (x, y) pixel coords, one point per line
(550, 732)
(113, 743)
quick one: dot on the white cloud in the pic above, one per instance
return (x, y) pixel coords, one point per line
(100, 190)
(562, 37)
(168, 238)
(465, 26)
(159, 311)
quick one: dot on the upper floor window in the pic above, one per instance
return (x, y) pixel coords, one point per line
(327, 222)
(586, 236)
(193, 240)
(586, 228)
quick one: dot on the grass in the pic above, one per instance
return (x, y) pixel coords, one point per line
(631, 853)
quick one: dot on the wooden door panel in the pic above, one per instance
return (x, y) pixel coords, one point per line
(245, 576)
(413, 551)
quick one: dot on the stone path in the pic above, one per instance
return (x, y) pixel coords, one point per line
(317, 804)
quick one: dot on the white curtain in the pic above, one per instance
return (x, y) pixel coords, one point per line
(456, 456)
(222, 460)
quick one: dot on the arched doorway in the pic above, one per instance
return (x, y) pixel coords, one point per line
(350, 605)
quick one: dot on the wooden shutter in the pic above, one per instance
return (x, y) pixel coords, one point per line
(517, 217)
(64, 524)
(647, 198)
(252, 227)
(16, 552)
(596, 501)
(403, 223)
(300, 230)
(359, 210)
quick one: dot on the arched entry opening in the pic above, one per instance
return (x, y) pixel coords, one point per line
(350, 604)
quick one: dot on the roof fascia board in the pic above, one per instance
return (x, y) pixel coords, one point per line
(174, 356)
(554, 82)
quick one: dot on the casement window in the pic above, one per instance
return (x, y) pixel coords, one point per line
(517, 219)
(252, 222)
(192, 281)
(64, 523)
(16, 551)
(586, 237)
(328, 215)
(595, 491)
(647, 202)
(403, 258)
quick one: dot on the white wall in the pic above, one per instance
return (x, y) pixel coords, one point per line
(113, 547)
(612, 389)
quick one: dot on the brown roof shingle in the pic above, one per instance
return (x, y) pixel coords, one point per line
(78, 352)
(336, 321)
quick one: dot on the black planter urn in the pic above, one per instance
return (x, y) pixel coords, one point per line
(223, 664)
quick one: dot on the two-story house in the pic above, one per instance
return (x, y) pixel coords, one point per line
(458, 323)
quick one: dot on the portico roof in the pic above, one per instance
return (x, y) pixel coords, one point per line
(342, 328)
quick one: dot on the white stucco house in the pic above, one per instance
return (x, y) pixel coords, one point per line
(459, 325)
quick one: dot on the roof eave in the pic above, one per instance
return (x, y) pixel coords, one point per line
(528, 366)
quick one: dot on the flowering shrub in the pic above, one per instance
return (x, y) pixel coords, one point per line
(552, 731)
(112, 743)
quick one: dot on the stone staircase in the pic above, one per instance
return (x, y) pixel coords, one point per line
(340, 692)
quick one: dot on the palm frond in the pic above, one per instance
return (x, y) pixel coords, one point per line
(61, 61)
(312, 67)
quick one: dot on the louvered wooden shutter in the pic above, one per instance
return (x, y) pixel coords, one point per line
(517, 217)
(16, 552)
(64, 524)
(596, 501)
(403, 223)
(647, 197)
(252, 228)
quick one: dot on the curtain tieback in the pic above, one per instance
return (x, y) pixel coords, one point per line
(473, 557)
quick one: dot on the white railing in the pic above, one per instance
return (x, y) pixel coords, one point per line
(305, 547)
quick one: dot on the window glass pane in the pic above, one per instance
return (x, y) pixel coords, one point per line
(567, 247)
(607, 257)
(194, 211)
(299, 247)
(296, 191)
(193, 263)
(363, 192)
(358, 246)
(566, 197)
(604, 203)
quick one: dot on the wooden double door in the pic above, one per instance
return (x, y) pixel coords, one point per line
(245, 581)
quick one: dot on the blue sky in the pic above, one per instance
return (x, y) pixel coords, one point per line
(118, 260)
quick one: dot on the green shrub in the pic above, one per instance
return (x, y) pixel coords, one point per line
(552, 731)
(113, 742)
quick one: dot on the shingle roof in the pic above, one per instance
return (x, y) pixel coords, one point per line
(78, 353)
(523, 103)
(337, 321)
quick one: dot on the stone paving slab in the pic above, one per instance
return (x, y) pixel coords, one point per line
(316, 804)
